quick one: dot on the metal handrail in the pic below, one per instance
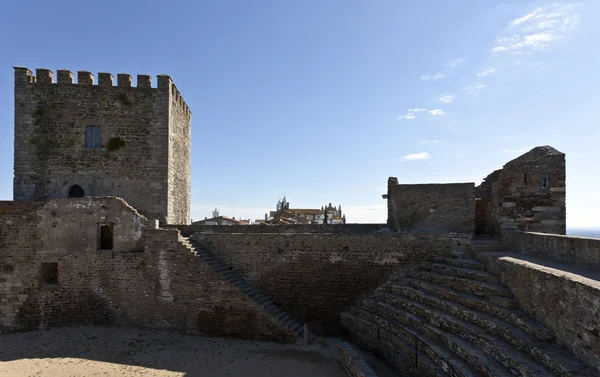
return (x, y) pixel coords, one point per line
(417, 340)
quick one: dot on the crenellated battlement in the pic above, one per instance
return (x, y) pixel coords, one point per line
(44, 76)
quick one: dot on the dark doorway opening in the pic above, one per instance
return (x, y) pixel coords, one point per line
(76, 191)
(49, 274)
(106, 237)
(482, 216)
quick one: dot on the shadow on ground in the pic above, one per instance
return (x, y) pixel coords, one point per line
(117, 351)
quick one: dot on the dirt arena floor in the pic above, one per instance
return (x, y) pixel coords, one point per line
(118, 351)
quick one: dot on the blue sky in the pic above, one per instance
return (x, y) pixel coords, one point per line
(324, 100)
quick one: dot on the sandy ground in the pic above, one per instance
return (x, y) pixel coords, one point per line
(117, 351)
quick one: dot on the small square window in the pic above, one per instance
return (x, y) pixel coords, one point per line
(93, 137)
(49, 272)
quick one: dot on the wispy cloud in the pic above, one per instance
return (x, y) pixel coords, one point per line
(429, 141)
(435, 77)
(456, 62)
(436, 112)
(474, 88)
(416, 156)
(538, 29)
(486, 72)
(410, 114)
(446, 98)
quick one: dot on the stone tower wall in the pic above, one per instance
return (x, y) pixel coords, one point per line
(179, 159)
(143, 132)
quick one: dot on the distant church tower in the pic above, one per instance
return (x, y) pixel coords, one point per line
(283, 205)
(215, 213)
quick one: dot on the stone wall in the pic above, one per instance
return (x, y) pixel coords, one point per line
(528, 193)
(568, 303)
(149, 279)
(352, 363)
(578, 250)
(315, 277)
(434, 207)
(138, 124)
(296, 228)
(180, 158)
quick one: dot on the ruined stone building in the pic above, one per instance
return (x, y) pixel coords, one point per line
(462, 280)
(75, 139)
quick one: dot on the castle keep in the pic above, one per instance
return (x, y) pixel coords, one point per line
(100, 139)
(463, 280)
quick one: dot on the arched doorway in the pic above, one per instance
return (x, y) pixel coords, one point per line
(76, 191)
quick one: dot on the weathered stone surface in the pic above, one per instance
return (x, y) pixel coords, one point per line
(526, 194)
(567, 302)
(149, 279)
(578, 250)
(296, 228)
(147, 162)
(315, 277)
(352, 362)
(432, 207)
(462, 329)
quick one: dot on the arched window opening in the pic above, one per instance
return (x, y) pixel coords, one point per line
(76, 192)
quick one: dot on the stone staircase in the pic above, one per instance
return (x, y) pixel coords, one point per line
(450, 317)
(227, 273)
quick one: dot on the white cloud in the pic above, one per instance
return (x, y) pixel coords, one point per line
(410, 114)
(437, 112)
(525, 18)
(538, 29)
(437, 76)
(487, 71)
(429, 141)
(474, 88)
(446, 98)
(416, 156)
(456, 62)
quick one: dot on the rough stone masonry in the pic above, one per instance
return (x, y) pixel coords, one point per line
(81, 139)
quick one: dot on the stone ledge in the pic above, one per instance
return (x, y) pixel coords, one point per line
(352, 363)
(564, 297)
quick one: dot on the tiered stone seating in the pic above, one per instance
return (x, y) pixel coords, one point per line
(450, 317)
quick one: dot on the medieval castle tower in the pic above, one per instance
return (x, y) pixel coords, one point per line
(87, 139)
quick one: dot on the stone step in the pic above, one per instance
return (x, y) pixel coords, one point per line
(445, 295)
(510, 345)
(431, 361)
(485, 363)
(245, 287)
(460, 272)
(494, 245)
(506, 354)
(443, 356)
(476, 287)
(461, 262)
